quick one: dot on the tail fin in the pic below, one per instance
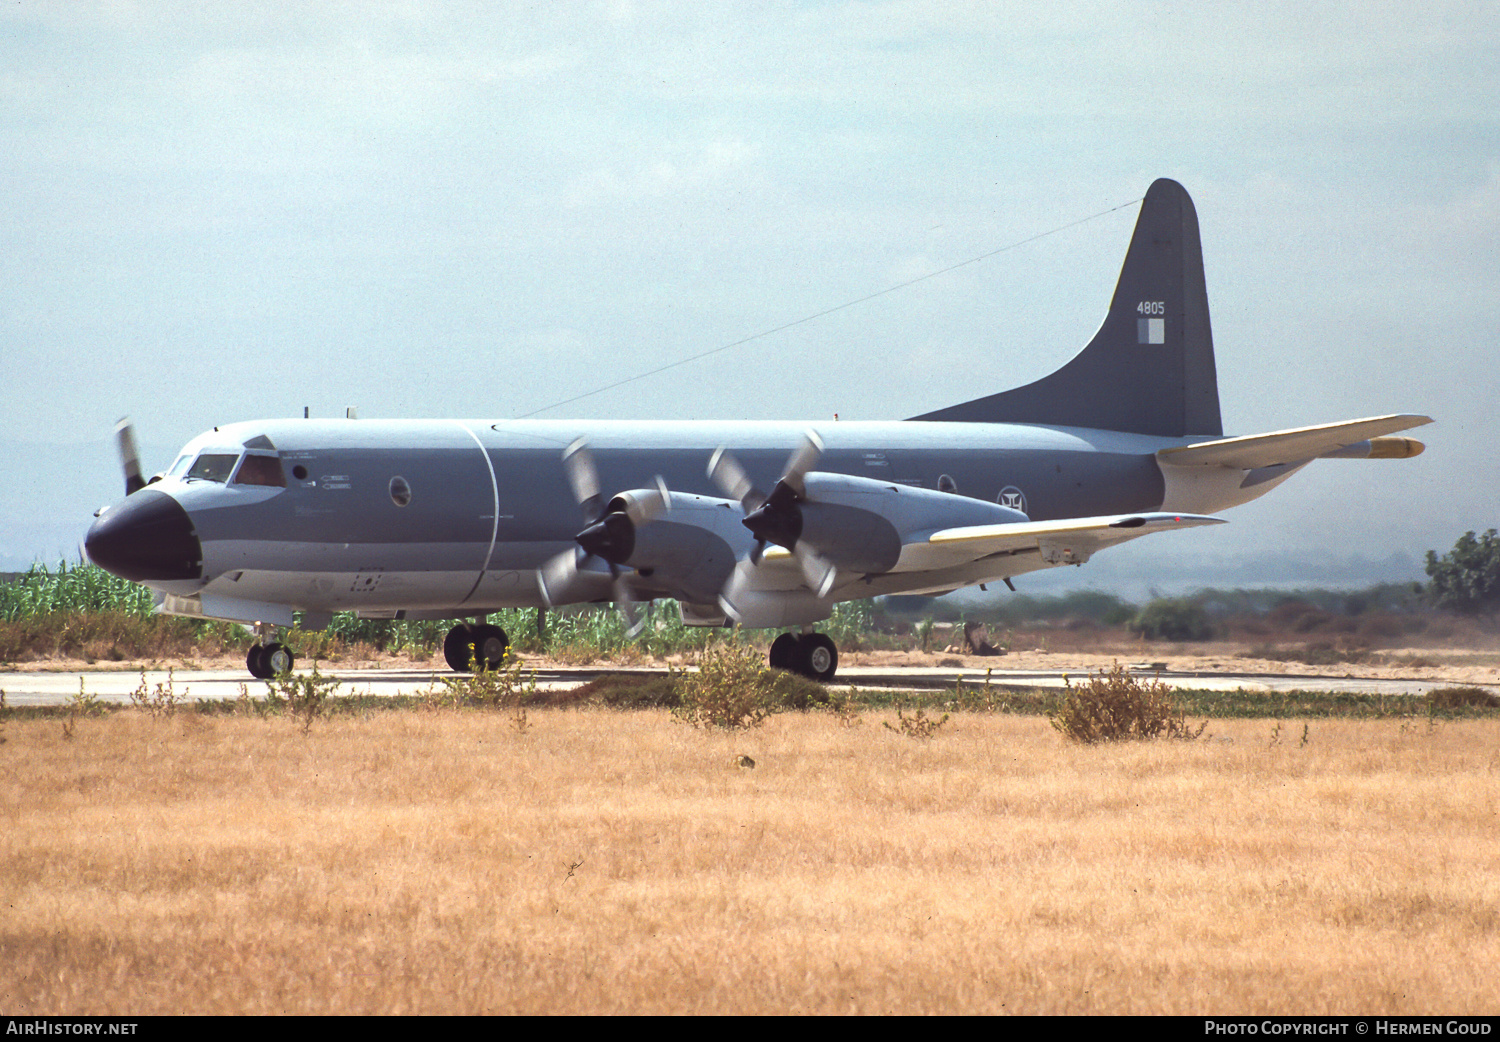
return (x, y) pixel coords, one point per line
(1150, 367)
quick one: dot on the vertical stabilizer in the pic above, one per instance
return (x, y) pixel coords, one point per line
(1150, 367)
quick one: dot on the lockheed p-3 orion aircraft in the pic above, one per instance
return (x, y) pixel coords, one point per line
(764, 524)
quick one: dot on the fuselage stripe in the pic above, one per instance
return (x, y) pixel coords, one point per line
(495, 516)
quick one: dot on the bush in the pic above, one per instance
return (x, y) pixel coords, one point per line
(1459, 697)
(1165, 619)
(1114, 706)
(732, 689)
(1466, 578)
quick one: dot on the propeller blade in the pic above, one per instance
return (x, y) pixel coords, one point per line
(816, 569)
(727, 473)
(564, 580)
(734, 588)
(578, 461)
(557, 576)
(130, 459)
(802, 461)
(774, 518)
(624, 598)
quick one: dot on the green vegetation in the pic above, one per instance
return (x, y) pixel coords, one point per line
(1459, 697)
(1467, 578)
(1165, 619)
(71, 588)
(81, 611)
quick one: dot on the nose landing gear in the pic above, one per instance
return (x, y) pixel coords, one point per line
(268, 657)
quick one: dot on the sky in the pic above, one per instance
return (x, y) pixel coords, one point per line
(220, 211)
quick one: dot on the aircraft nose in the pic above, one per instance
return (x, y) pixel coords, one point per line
(147, 537)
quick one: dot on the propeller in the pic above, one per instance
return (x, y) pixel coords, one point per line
(777, 518)
(608, 534)
(130, 458)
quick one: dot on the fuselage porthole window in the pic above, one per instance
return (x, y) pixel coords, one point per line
(400, 491)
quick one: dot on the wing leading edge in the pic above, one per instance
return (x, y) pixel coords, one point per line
(1067, 541)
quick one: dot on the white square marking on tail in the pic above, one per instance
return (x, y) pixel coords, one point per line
(1151, 330)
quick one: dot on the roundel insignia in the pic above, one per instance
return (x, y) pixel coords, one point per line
(1012, 497)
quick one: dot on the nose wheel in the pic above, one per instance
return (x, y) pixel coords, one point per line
(813, 655)
(269, 660)
(475, 643)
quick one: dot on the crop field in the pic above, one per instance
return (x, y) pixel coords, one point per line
(454, 860)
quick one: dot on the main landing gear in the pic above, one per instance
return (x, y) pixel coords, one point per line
(268, 657)
(811, 654)
(478, 643)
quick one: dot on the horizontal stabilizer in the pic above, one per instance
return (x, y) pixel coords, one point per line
(1066, 541)
(1292, 446)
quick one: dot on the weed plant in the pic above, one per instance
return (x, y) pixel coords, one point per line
(158, 701)
(507, 688)
(305, 696)
(1114, 706)
(919, 725)
(81, 705)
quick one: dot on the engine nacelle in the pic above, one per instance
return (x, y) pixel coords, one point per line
(688, 552)
(861, 524)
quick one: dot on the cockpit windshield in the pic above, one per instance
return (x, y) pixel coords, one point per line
(213, 466)
(261, 470)
(254, 468)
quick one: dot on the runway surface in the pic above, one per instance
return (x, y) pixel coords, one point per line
(56, 689)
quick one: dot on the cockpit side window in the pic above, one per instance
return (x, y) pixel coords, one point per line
(261, 470)
(213, 466)
(180, 465)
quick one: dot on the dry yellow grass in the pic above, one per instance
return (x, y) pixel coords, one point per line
(621, 863)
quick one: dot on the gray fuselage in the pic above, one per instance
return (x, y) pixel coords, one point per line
(455, 516)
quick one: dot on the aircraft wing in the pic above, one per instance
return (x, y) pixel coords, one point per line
(1067, 541)
(1301, 444)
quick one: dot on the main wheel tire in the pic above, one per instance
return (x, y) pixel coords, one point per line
(277, 659)
(255, 660)
(458, 647)
(784, 653)
(490, 645)
(821, 657)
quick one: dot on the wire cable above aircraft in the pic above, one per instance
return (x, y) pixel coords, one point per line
(821, 314)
